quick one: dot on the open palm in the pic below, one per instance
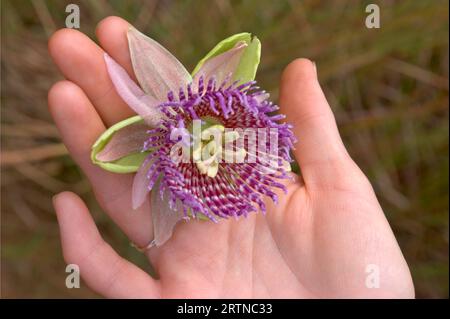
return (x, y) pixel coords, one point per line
(327, 237)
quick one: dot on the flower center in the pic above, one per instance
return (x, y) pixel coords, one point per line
(211, 145)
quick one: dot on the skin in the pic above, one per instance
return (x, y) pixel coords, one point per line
(318, 242)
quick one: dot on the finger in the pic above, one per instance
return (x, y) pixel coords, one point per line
(100, 266)
(319, 150)
(80, 125)
(112, 35)
(81, 61)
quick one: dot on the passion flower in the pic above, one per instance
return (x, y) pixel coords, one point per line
(207, 144)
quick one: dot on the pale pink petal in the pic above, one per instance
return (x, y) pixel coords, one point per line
(156, 69)
(140, 185)
(222, 65)
(164, 218)
(125, 141)
(132, 94)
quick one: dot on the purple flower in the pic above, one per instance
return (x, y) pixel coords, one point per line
(207, 145)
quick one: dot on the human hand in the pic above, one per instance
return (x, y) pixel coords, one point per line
(317, 242)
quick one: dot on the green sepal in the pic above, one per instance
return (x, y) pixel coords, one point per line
(246, 70)
(127, 164)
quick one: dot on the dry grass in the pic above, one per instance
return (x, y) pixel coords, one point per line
(388, 88)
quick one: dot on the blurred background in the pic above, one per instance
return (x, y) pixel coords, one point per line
(388, 87)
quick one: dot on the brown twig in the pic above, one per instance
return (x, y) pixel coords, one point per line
(32, 154)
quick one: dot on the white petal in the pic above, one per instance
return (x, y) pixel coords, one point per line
(156, 69)
(128, 140)
(140, 185)
(132, 94)
(164, 218)
(222, 65)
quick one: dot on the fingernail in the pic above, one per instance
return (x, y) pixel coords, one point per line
(315, 67)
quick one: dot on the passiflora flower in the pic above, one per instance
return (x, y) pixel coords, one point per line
(207, 144)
